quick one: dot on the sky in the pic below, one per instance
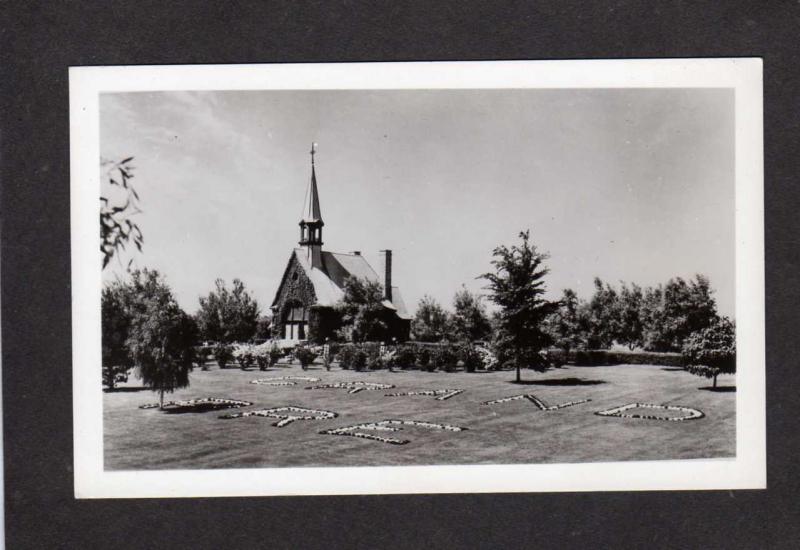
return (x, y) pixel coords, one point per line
(632, 185)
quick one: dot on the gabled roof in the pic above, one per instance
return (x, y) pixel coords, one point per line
(329, 280)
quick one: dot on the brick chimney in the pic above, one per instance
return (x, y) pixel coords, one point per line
(387, 274)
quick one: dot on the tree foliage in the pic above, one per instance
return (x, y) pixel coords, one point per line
(363, 316)
(517, 287)
(630, 329)
(228, 315)
(159, 335)
(469, 321)
(431, 322)
(567, 325)
(712, 350)
(116, 227)
(674, 311)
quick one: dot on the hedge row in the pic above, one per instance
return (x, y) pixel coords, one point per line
(606, 357)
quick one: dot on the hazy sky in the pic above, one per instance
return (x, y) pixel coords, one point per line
(634, 185)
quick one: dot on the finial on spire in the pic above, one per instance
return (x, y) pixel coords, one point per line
(313, 151)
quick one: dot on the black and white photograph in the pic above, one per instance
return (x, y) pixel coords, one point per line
(315, 279)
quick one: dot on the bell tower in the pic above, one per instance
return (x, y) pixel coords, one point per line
(311, 221)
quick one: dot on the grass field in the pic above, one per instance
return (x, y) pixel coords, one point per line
(512, 432)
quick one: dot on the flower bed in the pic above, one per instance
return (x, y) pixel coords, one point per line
(285, 419)
(354, 387)
(536, 401)
(199, 405)
(283, 380)
(441, 395)
(689, 413)
(388, 426)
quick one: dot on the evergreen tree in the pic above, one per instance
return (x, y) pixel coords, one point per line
(517, 287)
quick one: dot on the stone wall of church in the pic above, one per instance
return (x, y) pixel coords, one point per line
(296, 290)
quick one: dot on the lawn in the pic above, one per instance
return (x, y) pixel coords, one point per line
(516, 431)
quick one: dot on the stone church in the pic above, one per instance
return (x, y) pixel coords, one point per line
(313, 282)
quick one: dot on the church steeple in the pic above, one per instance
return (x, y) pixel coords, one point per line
(311, 221)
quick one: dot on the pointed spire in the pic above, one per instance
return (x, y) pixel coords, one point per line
(311, 210)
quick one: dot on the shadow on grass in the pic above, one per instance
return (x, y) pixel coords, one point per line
(673, 369)
(719, 389)
(560, 382)
(126, 389)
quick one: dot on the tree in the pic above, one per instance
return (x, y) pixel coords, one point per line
(115, 325)
(603, 311)
(228, 315)
(517, 287)
(630, 329)
(161, 335)
(263, 328)
(711, 351)
(469, 321)
(431, 322)
(672, 312)
(362, 312)
(116, 227)
(565, 325)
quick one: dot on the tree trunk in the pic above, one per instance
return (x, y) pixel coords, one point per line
(161, 400)
(715, 381)
(519, 378)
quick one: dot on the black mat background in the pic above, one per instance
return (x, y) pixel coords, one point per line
(41, 39)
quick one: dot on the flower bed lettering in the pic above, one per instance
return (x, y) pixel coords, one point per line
(536, 401)
(360, 430)
(441, 395)
(354, 387)
(283, 380)
(286, 415)
(199, 405)
(688, 412)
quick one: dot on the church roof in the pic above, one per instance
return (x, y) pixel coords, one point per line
(329, 280)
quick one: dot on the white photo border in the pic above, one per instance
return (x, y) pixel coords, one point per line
(746, 471)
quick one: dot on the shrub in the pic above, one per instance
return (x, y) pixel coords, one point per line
(488, 358)
(374, 360)
(470, 357)
(112, 375)
(243, 353)
(445, 358)
(222, 355)
(711, 351)
(359, 359)
(424, 358)
(405, 357)
(346, 355)
(305, 355)
(201, 354)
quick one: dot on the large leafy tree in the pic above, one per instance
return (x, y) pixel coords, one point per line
(630, 330)
(363, 315)
(115, 325)
(603, 314)
(711, 351)
(566, 325)
(517, 287)
(431, 322)
(469, 320)
(160, 335)
(674, 311)
(228, 315)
